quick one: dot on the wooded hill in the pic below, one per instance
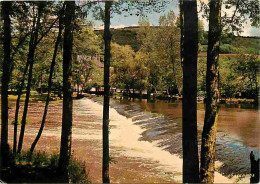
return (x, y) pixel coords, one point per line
(229, 43)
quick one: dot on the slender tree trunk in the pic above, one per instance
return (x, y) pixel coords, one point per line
(28, 89)
(66, 134)
(18, 106)
(6, 11)
(189, 103)
(107, 39)
(49, 84)
(212, 99)
(181, 30)
(40, 91)
(20, 87)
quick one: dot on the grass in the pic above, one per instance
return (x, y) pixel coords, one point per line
(35, 97)
(41, 168)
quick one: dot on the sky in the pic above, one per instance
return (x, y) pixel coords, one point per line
(119, 21)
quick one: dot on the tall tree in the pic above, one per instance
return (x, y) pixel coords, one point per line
(181, 30)
(34, 41)
(49, 81)
(212, 92)
(66, 134)
(6, 11)
(107, 40)
(189, 102)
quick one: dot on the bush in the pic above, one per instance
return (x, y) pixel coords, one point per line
(42, 168)
(77, 171)
(226, 48)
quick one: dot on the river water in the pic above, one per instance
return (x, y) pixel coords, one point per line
(238, 130)
(145, 138)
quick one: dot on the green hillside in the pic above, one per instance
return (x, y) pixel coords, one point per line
(125, 36)
(229, 44)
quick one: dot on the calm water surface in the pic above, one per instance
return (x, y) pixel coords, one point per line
(238, 129)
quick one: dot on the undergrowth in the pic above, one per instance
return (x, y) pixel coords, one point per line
(40, 167)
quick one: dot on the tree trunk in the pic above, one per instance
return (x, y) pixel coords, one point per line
(21, 88)
(107, 40)
(254, 168)
(66, 134)
(77, 89)
(212, 98)
(40, 90)
(189, 103)
(49, 83)
(18, 104)
(182, 31)
(6, 11)
(28, 89)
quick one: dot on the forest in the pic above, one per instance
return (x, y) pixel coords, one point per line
(174, 100)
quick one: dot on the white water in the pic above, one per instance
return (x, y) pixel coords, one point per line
(125, 135)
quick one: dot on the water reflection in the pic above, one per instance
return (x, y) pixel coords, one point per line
(241, 120)
(238, 129)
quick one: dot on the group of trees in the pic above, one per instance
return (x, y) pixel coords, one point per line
(155, 65)
(43, 49)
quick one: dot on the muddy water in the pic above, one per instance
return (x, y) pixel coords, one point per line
(238, 130)
(145, 139)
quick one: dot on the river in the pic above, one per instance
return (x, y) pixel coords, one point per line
(238, 130)
(145, 138)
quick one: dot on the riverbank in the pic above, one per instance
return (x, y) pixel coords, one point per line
(132, 160)
(161, 96)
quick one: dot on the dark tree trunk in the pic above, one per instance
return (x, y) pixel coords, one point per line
(18, 104)
(40, 90)
(254, 168)
(28, 89)
(212, 98)
(66, 134)
(20, 87)
(189, 103)
(6, 11)
(49, 83)
(107, 40)
(181, 31)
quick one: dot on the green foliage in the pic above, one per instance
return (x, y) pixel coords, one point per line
(156, 65)
(41, 161)
(162, 45)
(239, 76)
(77, 171)
(86, 55)
(226, 48)
(129, 70)
(124, 36)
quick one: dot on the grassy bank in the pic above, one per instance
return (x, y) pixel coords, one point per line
(36, 97)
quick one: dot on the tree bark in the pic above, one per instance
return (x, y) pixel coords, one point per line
(254, 168)
(49, 83)
(66, 134)
(107, 40)
(18, 105)
(22, 86)
(189, 103)
(6, 11)
(181, 31)
(212, 98)
(28, 89)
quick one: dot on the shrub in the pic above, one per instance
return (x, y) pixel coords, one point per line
(41, 167)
